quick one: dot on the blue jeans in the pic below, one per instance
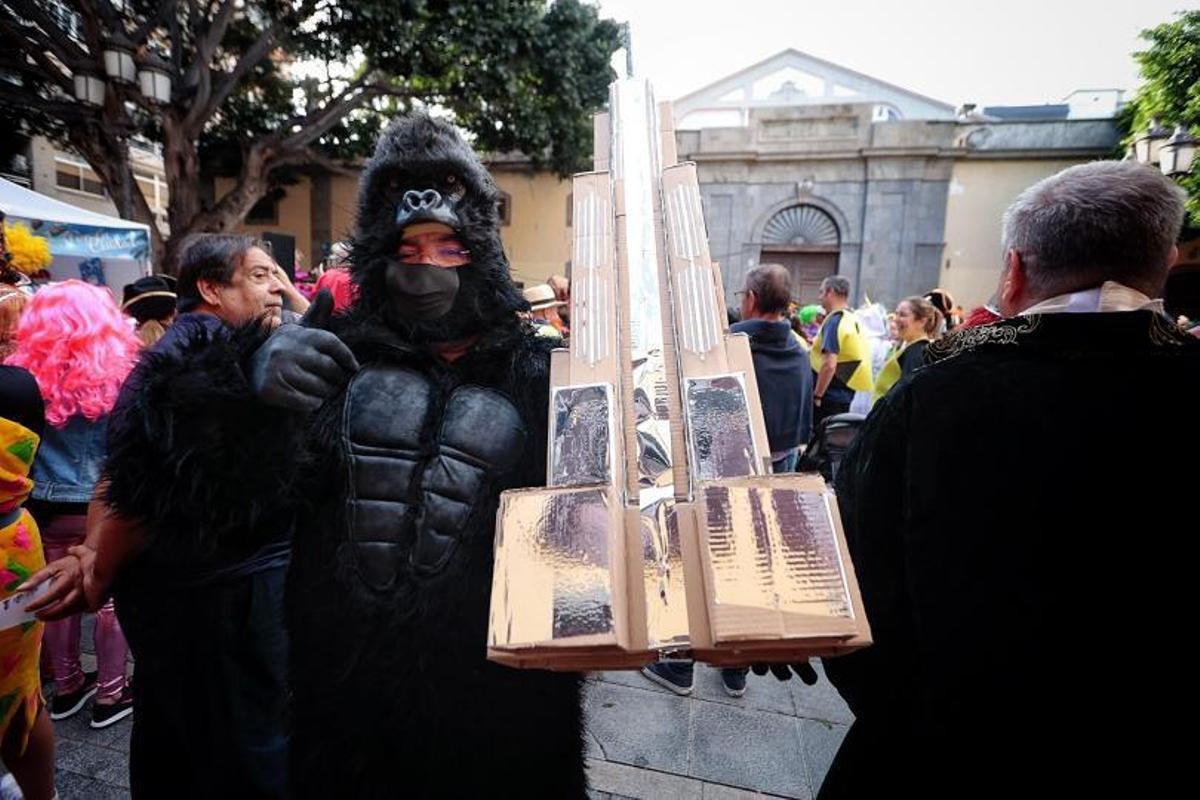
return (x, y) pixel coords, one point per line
(785, 464)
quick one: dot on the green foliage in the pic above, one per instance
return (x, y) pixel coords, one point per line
(518, 75)
(1170, 67)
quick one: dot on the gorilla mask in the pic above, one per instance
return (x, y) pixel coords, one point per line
(427, 252)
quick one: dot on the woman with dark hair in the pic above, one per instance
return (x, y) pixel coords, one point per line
(917, 324)
(26, 736)
(79, 348)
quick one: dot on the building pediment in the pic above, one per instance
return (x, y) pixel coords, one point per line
(792, 78)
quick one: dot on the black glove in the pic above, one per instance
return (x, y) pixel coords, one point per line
(301, 366)
(784, 671)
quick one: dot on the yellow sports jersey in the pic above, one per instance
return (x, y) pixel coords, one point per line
(854, 352)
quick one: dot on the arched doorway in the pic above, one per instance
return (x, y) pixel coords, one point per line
(805, 240)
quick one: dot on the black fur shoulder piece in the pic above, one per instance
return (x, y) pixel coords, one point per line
(193, 453)
(417, 153)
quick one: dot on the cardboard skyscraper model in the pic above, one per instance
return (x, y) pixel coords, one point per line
(661, 530)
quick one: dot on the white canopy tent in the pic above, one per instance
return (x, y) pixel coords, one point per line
(94, 247)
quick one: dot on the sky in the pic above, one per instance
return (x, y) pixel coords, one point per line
(1002, 52)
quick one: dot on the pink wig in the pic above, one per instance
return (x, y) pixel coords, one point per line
(78, 346)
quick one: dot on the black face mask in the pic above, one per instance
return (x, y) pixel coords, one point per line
(421, 291)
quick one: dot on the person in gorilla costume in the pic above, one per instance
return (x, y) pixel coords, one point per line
(390, 580)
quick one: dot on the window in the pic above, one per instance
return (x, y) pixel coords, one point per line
(570, 209)
(504, 209)
(264, 212)
(77, 177)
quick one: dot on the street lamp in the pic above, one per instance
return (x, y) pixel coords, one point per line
(1177, 153)
(154, 78)
(118, 59)
(89, 89)
(1147, 145)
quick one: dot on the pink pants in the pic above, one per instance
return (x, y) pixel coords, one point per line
(61, 639)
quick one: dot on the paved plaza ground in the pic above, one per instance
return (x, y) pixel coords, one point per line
(643, 741)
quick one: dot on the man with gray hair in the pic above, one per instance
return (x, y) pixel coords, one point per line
(1009, 555)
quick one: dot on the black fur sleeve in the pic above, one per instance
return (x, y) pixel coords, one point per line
(193, 454)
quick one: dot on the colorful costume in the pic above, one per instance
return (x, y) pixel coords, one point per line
(21, 549)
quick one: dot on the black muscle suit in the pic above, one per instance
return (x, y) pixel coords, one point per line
(390, 582)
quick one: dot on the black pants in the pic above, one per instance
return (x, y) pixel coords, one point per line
(209, 694)
(827, 409)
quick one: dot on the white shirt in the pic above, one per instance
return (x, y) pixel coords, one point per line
(1108, 296)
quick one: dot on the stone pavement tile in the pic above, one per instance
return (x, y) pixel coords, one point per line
(79, 787)
(621, 780)
(716, 791)
(83, 758)
(631, 678)
(820, 701)
(638, 726)
(115, 736)
(821, 742)
(765, 693)
(747, 749)
(117, 771)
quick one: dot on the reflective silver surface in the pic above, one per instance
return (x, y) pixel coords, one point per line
(720, 444)
(774, 548)
(662, 559)
(592, 312)
(581, 435)
(636, 175)
(552, 578)
(697, 321)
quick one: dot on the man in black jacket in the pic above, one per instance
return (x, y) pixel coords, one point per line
(780, 363)
(1028, 584)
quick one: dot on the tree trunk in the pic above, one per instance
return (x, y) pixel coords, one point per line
(108, 155)
(187, 212)
(181, 162)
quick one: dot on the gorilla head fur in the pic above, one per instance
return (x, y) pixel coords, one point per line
(423, 170)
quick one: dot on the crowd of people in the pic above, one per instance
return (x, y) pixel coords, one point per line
(301, 565)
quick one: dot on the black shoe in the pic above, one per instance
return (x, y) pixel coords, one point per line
(734, 681)
(67, 705)
(674, 675)
(105, 715)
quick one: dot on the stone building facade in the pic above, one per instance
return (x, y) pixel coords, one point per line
(856, 188)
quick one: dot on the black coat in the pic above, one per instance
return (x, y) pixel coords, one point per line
(784, 378)
(393, 694)
(1025, 555)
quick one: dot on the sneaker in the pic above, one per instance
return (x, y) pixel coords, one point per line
(105, 715)
(734, 681)
(676, 676)
(67, 705)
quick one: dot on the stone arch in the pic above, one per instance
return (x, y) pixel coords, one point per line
(806, 239)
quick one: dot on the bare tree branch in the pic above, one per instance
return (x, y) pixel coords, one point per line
(317, 123)
(20, 50)
(52, 37)
(253, 55)
(153, 21)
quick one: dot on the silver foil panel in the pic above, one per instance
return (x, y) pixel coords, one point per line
(720, 442)
(662, 560)
(552, 579)
(775, 548)
(652, 422)
(635, 139)
(698, 324)
(581, 435)
(591, 312)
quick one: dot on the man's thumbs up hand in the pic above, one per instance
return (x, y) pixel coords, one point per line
(301, 366)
